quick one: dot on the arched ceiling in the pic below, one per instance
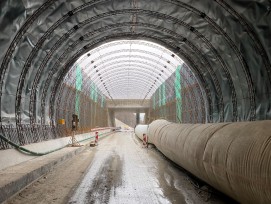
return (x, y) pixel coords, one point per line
(128, 69)
(225, 43)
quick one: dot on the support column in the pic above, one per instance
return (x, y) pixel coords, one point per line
(146, 118)
(111, 118)
(137, 118)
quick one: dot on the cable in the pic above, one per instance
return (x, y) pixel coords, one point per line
(23, 150)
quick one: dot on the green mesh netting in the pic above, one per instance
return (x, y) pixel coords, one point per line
(178, 94)
(160, 101)
(78, 86)
(102, 101)
(164, 99)
(92, 90)
(154, 101)
(96, 94)
(159, 96)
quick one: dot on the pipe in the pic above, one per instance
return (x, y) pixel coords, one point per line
(140, 130)
(235, 158)
(100, 135)
(23, 150)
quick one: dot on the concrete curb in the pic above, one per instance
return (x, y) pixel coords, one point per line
(18, 184)
(12, 157)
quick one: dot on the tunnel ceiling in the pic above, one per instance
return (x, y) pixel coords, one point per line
(128, 69)
(225, 43)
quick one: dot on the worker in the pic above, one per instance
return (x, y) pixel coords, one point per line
(145, 140)
(96, 138)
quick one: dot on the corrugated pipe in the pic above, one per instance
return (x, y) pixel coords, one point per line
(23, 150)
(235, 158)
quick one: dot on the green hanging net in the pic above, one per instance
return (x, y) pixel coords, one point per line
(178, 94)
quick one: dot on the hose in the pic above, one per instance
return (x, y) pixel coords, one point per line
(26, 150)
(100, 135)
(23, 150)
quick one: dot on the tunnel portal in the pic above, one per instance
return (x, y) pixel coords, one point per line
(188, 62)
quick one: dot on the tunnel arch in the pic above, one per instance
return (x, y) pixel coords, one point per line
(73, 60)
(224, 44)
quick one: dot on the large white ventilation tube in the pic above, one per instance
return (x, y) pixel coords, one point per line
(235, 158)
(140, 130)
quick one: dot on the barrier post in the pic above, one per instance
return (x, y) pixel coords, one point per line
(96, 138)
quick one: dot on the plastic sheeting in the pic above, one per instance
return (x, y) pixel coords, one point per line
(232, 157)
(225, 43)
(128, 68)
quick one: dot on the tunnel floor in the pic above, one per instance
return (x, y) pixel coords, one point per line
(118, 170)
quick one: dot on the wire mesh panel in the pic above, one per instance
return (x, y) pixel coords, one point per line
(179, 99)
(82, 98)
(77, 95)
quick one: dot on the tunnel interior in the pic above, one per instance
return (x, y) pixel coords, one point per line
(190, 62)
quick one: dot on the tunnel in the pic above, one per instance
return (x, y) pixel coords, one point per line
(192, 64)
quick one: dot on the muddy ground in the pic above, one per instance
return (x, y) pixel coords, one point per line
(119, 170)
